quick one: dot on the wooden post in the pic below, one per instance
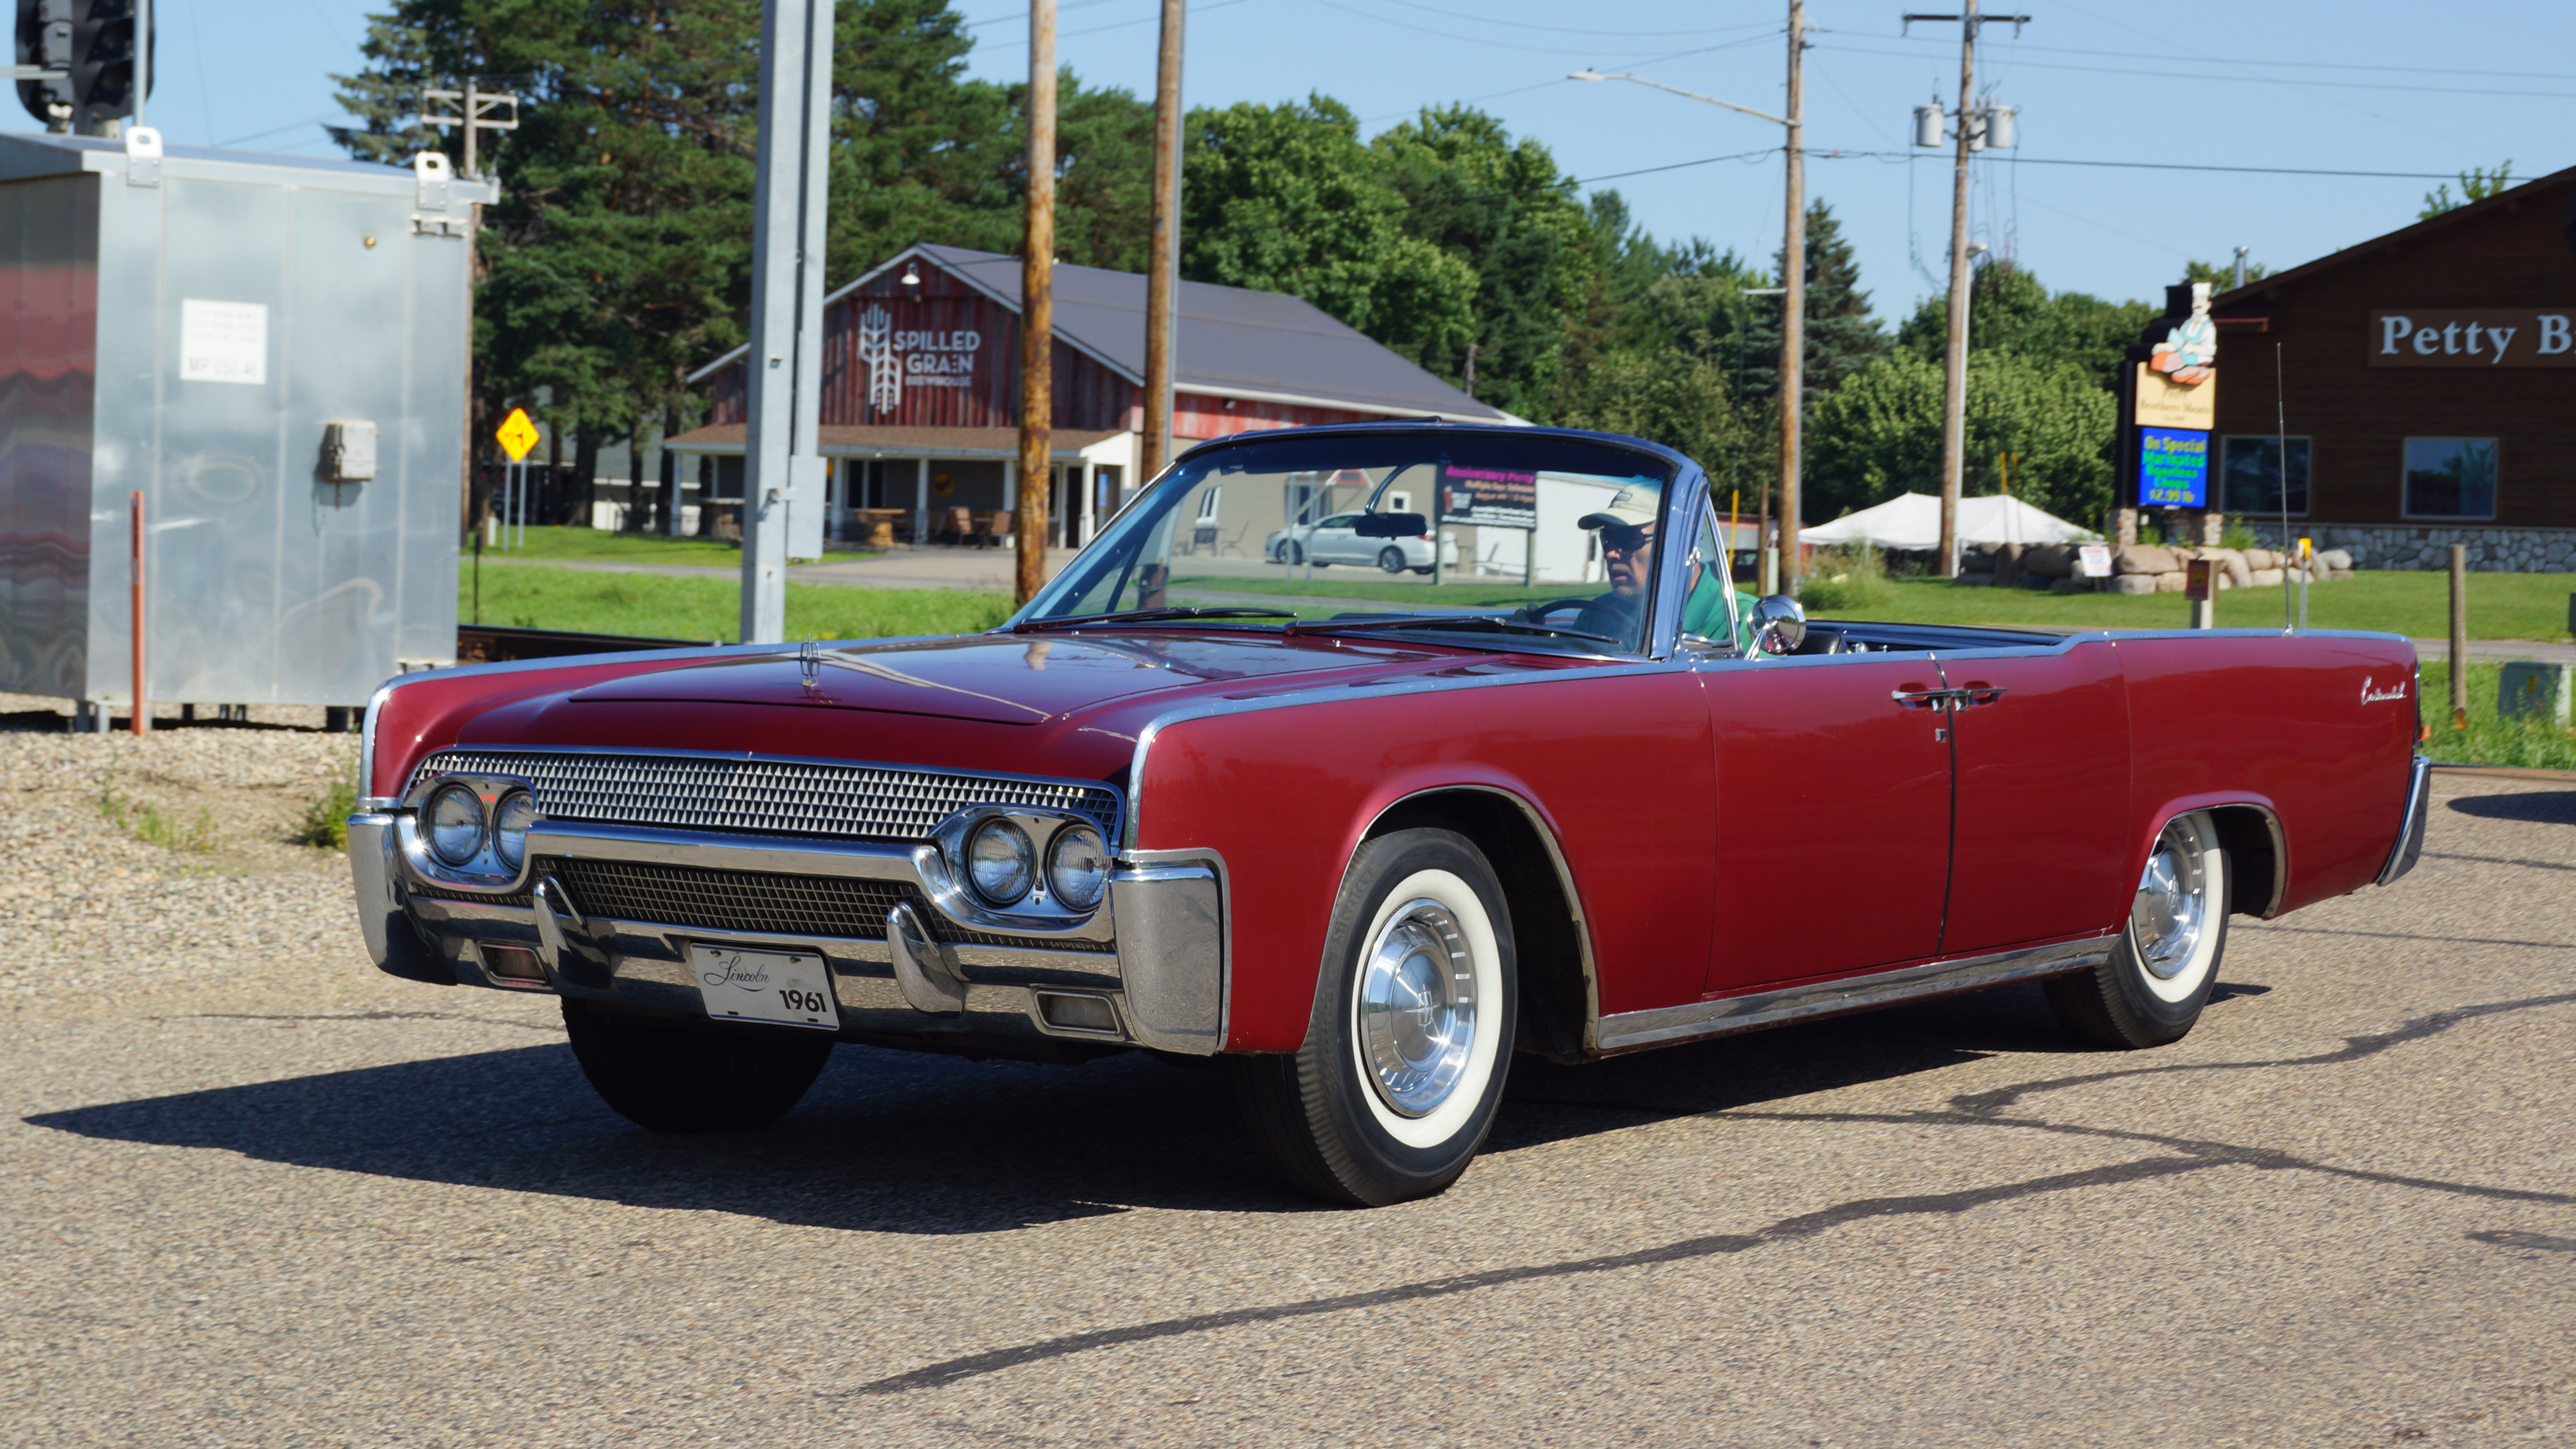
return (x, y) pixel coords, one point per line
(1954, 374)
(142, 721)
(1163, 258)
(2459, 636)
(1037, 311)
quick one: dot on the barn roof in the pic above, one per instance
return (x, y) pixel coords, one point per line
(1233, 342)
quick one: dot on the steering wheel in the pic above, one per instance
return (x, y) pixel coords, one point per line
(1535, 613)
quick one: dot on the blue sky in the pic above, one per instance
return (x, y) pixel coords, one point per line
(2365, 85)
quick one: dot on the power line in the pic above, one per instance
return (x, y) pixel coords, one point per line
(2166, 166)
(2280, 64)
(1579, 29)
(2266, 80)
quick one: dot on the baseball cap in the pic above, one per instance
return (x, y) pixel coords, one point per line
(1628, 508)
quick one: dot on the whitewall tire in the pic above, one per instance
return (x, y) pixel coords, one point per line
(2159, 976)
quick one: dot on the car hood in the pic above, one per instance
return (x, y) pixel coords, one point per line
(1025, 679)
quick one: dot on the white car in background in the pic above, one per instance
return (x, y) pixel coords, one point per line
(1337, 540)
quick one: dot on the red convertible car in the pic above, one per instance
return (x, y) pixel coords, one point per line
(1366, 857)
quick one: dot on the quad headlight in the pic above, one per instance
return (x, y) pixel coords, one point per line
(1001, 861)
(453, 820)
(510, 827)
(1077, 867)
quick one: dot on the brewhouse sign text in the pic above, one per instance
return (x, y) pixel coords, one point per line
(2473, 337)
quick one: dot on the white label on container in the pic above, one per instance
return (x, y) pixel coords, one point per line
(223, 341)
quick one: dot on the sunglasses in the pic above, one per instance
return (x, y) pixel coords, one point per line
(1627, 539)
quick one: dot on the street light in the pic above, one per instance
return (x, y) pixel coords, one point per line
(1793, 279)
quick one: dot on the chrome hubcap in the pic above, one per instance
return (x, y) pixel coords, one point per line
(1417, 1008)
(2173, 902)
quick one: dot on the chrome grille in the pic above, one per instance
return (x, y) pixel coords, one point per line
(756, 902)
(777, 797)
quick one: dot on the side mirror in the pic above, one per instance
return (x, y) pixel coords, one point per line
(1778, 626)
(1390, 525)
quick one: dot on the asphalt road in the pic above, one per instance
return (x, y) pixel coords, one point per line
(298, 1204)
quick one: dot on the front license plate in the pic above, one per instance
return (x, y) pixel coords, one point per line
(794, 989)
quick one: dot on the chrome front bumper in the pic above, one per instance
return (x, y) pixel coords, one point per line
(1164, 976)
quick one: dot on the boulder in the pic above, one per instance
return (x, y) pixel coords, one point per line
(1973, 581)
(2049, 560)
(2335, 558)
(2261, 558)
(2133, 583)
(2071, 586)
(2144, 558)
(2007, 564)
(2231, 565)
(2268, 578)
(2172, 583)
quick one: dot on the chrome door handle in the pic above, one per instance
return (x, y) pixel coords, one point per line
(1935, 699)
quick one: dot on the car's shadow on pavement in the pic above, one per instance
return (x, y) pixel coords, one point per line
(895, 1142)
(2547, 807)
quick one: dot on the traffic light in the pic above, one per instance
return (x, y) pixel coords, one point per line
(92, 43)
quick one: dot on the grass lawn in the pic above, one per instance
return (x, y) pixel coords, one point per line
(661, 606)
(2489, 740)
(2501, 606)
(599, 545)
(1366, 584)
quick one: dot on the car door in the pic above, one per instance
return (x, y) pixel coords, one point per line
(2042, 828)
(1833, 815)
(1334, 541)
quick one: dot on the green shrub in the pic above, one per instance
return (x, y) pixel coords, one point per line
(324, 824)
(1852, 576)
(149, 825)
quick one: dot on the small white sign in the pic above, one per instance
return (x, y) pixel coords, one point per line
(2097, 560)
(223, 341)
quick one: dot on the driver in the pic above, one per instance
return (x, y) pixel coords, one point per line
(1627, 528)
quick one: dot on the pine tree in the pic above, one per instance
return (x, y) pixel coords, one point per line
(1842, 335)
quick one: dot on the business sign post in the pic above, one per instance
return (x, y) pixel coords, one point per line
(2172, 406)
(1485, 498)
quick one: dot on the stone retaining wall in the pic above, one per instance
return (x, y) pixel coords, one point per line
(2427, 546)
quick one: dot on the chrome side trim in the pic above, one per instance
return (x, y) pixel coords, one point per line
(1661, 1026)
(1175, 957)
(2410, 837)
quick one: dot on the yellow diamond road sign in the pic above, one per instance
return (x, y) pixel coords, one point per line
(517, 434)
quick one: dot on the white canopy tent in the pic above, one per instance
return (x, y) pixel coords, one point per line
(1913, 521)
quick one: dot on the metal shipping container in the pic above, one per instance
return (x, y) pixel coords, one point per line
(271, 349)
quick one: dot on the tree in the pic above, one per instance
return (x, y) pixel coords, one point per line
(1879, 434)
(2476, 184)
(1842, 335)
(2010, 311)
(1286, 199)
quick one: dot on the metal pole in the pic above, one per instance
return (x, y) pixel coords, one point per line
(471, 130)
(142, 721)
(2459, 636)
(920, 501)
(1793, 300)
(781, 467)
(1163, 261)
(1954, 380)
(142, 66)
(1037, 310)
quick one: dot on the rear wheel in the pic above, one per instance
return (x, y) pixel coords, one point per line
(2152, 989)
(675, 1076)
(1289, 552)
(1391, 559)
(1410, 1040)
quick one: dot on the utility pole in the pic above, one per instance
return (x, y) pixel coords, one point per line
(1793, 274)
(476, 115)
(1037, 310)
(2241, 254)
(783, 477)
(1163, 263)
(1954, 380)
(1793, 302)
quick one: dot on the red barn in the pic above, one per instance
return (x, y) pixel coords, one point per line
(921, 386)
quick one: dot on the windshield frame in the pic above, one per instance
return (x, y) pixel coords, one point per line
(1681, 496)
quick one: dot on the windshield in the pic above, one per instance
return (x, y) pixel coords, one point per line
(1539, 539)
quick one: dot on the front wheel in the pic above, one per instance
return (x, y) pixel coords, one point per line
(1289, 553)
(1411, 1036)
(2152, 989)
(675, 1076)
(1391, 559)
